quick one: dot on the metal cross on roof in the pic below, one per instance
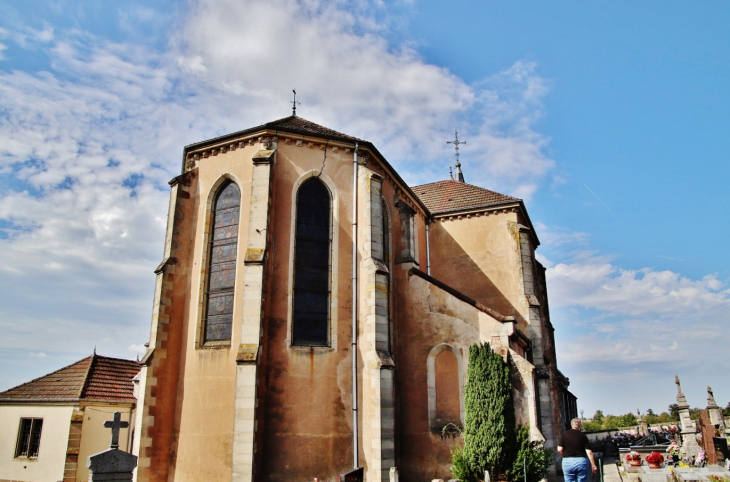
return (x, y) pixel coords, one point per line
(294, 103)
(456, 142)
(115, 425)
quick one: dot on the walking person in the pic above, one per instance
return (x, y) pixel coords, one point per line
(577, 454)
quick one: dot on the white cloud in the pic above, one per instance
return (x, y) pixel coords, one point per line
(555, 236)
(349, 78)
(137, 348)
(596, 283)
(620, 330)
(90, 142)
(2, 47)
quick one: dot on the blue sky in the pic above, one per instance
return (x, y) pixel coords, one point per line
(609, 119)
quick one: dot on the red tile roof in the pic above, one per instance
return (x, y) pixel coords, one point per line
(93, 378)
(111, 379)
(450, 196)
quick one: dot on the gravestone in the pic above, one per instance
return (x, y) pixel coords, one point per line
(708, 434)
(643, 426)
(721, 449)
(690, 447)
(112, 465)
(714, 410)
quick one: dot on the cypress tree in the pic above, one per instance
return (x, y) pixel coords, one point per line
(489, 426)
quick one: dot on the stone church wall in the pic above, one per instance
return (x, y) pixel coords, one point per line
(285, 412)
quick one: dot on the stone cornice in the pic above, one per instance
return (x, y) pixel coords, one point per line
(267, 139)
(512, 207)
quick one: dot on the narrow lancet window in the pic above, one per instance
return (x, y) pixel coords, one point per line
(385, 217)
(310, 323)
(222, 264)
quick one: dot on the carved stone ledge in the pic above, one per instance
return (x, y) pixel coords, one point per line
(255, 256)
(247, 353)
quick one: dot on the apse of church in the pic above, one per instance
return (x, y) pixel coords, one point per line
(290, 248)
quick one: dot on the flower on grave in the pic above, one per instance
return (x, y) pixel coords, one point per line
(655, 458)
(700, 457)
(673, 449)
(633, 456)
(682, 465)
(717, 478)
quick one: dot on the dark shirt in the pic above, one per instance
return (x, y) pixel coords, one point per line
(574, 443)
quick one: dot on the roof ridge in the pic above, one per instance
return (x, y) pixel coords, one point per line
(464, 184)
(46, 375)
(87, 376)
(126, 360)
(280, 124)
(451, 195)
(306, 123)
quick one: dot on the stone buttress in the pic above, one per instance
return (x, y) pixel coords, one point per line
(157, 446)
(247, 359)
(378, 437)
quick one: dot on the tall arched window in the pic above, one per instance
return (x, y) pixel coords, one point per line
(385, 217)
(222, 251)
(310, 323)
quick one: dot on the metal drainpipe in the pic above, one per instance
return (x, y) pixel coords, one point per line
(428, 252)
(354, 309)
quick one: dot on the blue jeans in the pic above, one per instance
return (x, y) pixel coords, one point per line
(576, 469)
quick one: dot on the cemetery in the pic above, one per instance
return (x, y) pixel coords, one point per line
(694, 451)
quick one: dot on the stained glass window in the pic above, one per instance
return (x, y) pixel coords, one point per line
(223, 249)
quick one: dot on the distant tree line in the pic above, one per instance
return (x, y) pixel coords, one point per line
(609, 422)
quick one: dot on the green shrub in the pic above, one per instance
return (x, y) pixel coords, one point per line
(532, 457)
(489, 428)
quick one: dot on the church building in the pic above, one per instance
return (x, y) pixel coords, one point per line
(313, 314)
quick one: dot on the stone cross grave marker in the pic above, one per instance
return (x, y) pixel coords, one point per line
(115, 425)
(112, 465)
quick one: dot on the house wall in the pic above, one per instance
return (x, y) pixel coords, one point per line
(95, 437)
(49, 465)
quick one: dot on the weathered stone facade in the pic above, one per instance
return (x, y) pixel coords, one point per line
(265, 407)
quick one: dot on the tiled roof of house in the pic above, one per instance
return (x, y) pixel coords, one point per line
(92, 378)
(448, 196)
(111, 379)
